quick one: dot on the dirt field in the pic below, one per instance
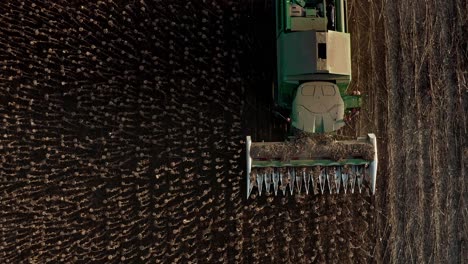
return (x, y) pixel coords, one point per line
(122, 129)
(413, 62)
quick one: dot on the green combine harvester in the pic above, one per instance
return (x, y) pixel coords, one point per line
(313, 75)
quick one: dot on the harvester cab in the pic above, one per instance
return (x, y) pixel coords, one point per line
(313, 74)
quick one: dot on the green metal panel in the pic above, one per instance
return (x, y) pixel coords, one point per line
(343, 86)
(339, 15)
(286, 18)
(286, 94)
(352, 101)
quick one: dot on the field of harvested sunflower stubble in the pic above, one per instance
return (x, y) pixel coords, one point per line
(123, 124)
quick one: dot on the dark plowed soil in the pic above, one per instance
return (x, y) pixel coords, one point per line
(122, 127)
